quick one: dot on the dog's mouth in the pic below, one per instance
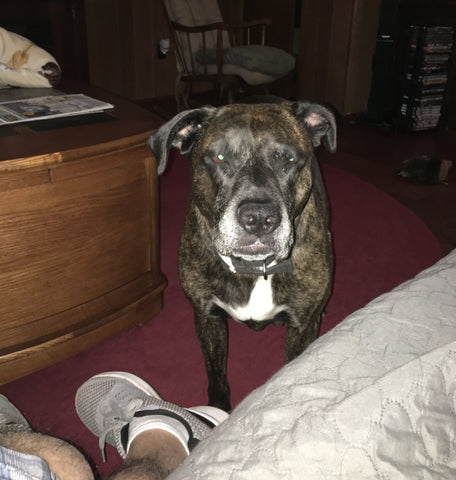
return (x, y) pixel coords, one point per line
(256, 259)
(231, 241)
(254, 251)
(257, 250)
(264, 267)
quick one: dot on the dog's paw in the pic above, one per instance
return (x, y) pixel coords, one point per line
(220, 401)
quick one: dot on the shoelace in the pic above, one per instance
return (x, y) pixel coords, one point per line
(121, 417)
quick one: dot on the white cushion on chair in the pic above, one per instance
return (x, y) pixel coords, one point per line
(261, 58)
(249, 77)
(270, 61)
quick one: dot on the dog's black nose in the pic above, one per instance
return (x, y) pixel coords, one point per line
(259, 218)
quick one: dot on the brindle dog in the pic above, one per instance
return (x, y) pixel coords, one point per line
(255, 245)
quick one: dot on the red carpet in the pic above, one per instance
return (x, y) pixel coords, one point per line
(378, 244)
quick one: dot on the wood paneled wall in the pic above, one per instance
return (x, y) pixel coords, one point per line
(336, 47)
(122, 37)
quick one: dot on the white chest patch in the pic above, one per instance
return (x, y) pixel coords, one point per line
(260, 306)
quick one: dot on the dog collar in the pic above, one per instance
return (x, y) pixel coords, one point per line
(258, 267)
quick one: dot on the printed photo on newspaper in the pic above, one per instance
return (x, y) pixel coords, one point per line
(49, 107)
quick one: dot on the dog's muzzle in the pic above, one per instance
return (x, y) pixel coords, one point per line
(258, 220)
(254, 231)
(258, 267)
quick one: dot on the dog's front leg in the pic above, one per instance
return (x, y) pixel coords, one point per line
(298, 339)
(212, 331)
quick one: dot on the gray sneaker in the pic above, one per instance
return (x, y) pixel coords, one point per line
(108, 402)
(11, 416)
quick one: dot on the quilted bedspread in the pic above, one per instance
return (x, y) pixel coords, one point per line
(375, 398)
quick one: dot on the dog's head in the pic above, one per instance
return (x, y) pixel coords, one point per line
(252, 170)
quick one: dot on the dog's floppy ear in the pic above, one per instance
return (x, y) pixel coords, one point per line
(180, 132)
(319, 121)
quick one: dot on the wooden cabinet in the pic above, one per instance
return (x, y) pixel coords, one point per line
(79, 233)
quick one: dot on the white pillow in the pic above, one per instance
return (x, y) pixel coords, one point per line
(24, 64)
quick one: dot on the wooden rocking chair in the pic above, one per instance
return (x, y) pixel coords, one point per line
(226, 56)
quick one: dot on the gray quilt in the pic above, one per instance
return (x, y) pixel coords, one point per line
(375, 398)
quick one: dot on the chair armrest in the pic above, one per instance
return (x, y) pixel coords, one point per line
(239, 33)
(220, 25)
(253, 23)
(198, 28)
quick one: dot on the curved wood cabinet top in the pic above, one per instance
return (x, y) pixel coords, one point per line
(79, 233)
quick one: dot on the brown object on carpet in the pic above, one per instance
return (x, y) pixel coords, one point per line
(425, 170)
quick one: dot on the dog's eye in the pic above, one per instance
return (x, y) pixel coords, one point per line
(285, 159)
(219, 158)
(288, 161)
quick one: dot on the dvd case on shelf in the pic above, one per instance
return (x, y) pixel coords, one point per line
(425, 77)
